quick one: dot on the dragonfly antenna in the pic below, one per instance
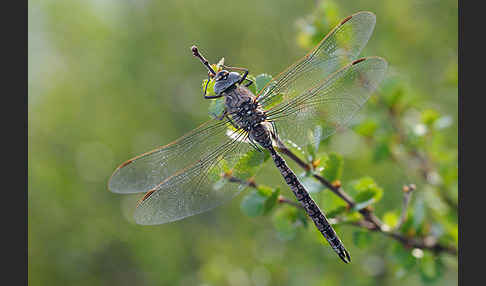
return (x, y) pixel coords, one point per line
(195, 52)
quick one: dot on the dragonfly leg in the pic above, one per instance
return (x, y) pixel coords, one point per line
(244, 77)
(212, 96)
(206, 87)
(225, 112)
(250, 82)
(206, 90)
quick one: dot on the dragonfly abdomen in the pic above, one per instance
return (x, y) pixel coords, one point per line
(260, 133)
(310, 206)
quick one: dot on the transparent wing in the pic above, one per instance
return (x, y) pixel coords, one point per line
(186, 177)
(330, 104)
(341, 46)
(144, 172)
(201, 186)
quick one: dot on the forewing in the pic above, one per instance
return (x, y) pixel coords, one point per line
(341, 46)
(148, 170)
(329, 105)
(201, 186)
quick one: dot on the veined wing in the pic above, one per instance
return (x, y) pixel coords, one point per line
(201, 186)
(340, 46)
(330, 104)
(144, 172)
(205, 154)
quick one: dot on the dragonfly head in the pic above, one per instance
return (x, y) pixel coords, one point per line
(225, 80)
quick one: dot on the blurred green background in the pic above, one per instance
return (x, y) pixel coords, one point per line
(109, 80)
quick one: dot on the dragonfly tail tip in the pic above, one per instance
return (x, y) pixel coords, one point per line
(344, 255)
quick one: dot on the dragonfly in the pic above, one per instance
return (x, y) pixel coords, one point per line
(324, 88)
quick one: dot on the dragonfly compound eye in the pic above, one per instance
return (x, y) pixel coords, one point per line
(225, 80)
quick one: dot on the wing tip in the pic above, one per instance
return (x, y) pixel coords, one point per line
(357, 61)
(346, 257)
(124, 164)
(368, 13)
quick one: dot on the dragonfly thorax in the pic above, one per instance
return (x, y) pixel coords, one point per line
(244, 111)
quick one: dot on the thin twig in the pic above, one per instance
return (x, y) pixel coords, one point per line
(407, 194)
(284, 200)
(335, 188)
(429, 242)
(370, 221)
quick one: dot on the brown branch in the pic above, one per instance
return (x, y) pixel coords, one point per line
(284, 200)
(407, 194)
(370, 221)
(335, 188)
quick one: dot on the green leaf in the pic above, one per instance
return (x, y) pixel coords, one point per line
(368, 192)
(210, 89)
(393, 91)
(310, 184)
(261, 80)
(337, 211)
(353, 216)
(284, 222)
(367, 184)
(248, 164)
(252, 87)
(364, 203)
(216, 107)
(271, 201)
(361, 238)
(431, 268)
(273, 101)
(333, 167)
(215, 172)
(429, 116)
(260, 201)
(391, 218)
(382, 151)
(366, 128)
(265, 190)
(403, 256)
(407, 226)
(253, 204)
(325, 16)
(302, 218)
